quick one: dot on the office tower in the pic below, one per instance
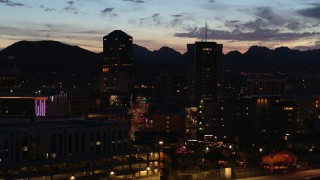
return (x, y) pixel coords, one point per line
(205, 64)
(117, 80)
(205, 77)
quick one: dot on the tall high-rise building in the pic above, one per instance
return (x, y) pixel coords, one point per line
(205, 77)
(205, 64)
(116, 83)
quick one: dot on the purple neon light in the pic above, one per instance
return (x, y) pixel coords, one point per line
(40, 107)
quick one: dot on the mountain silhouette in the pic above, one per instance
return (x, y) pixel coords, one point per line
(262, 59)
(49, 56)
(31, 58)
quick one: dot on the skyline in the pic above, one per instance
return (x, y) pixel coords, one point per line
(153, 24)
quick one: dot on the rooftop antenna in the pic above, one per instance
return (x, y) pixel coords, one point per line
(206, 33)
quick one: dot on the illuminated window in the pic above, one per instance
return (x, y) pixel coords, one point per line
(105, 69)
(288, 108)
(206, 49)
(25, 148)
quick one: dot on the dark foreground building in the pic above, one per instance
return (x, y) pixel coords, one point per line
(52, 148)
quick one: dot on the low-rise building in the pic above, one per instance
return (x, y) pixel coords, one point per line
(54, 148)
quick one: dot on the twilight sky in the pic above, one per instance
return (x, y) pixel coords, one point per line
(237, 24)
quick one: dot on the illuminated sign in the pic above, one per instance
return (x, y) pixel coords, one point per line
(40, 106)
(288, 108)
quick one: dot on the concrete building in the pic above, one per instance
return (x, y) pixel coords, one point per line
(51, 148)
(267, 86)
(253, 115)
(205, 77)
(33, 105)
(169, 120)
(116, 83)
(205, 63)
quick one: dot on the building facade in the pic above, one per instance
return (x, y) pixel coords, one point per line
(205, 59)
(116, 83)
(51, 148)
(267, 86)
(34, 105)
(205, 77)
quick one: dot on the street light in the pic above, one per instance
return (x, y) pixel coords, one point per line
(160, 142)
(111, 174)
(260, 149)
(148, 169)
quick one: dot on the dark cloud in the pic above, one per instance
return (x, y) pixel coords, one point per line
(177, 15)
(135, 1)
(254, 25)
(211, 1)
(266, 17)
(316, 45)
(70, 3)
(15, 4)
(71, 8)
(11, 3)
(35, 31)
(238, 35)
(178, 19)
(153, 19)
(47, 8)
(108, 12)
(294, 25)
(313, 12)
(267, 14)
(155, 15)
(236, 25)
